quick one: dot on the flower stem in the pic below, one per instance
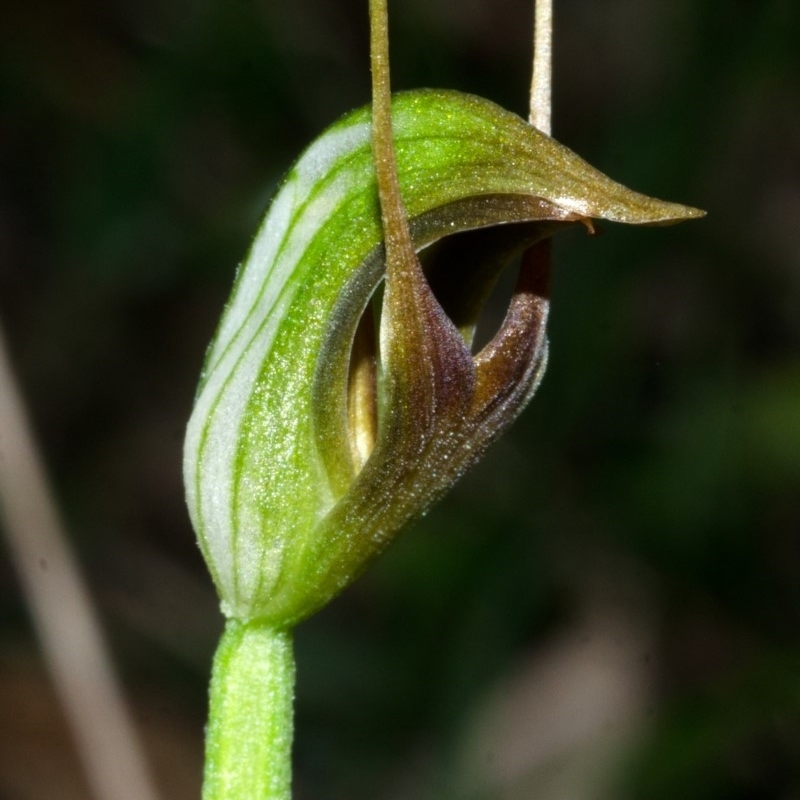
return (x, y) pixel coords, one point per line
(249, 735)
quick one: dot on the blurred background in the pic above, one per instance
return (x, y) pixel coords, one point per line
(608, 607)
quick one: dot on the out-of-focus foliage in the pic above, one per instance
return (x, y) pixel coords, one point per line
(635, 539)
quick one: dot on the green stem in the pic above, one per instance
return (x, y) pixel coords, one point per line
(249, 735)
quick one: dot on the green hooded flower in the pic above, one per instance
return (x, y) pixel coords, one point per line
(338, 399)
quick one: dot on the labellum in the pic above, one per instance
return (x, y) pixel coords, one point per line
(334, 406)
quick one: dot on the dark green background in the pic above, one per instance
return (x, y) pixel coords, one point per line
(642, 517)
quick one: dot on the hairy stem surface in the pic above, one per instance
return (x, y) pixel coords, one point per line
(249, 735)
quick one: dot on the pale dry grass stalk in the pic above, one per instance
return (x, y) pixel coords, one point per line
(542, 78)
(61, 608)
